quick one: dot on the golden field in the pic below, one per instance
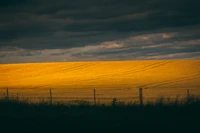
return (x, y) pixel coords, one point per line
(109, 78)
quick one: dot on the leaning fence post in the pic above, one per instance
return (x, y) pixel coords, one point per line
(94, 97)
(50, 96)
(188, 93)
(7, 94)
(140, 96)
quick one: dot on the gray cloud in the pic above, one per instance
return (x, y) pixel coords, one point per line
(143, 28)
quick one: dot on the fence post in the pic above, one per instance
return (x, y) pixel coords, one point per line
(94, 97)
(17, 96)
(140, 96)
(50, 96)
(7, 94)
(188, 93)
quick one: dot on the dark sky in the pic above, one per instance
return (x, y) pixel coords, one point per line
(90, 30)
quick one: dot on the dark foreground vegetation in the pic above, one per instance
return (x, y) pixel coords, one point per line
(162, 116)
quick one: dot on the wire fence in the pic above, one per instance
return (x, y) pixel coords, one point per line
(96, 96)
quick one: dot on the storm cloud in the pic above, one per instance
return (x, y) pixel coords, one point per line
(80, 30)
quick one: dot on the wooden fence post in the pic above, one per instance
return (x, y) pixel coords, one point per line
(94, 97)
(188, 93)
(7, 94)
(140, 96)
(17, 96)
(50, 96)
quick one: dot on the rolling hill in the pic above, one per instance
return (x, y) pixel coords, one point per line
(110, 78)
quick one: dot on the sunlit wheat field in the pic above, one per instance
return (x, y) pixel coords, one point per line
(120, 79)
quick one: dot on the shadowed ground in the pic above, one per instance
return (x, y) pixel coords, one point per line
(165, 117)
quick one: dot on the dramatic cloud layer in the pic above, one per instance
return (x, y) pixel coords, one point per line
(79, 30)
